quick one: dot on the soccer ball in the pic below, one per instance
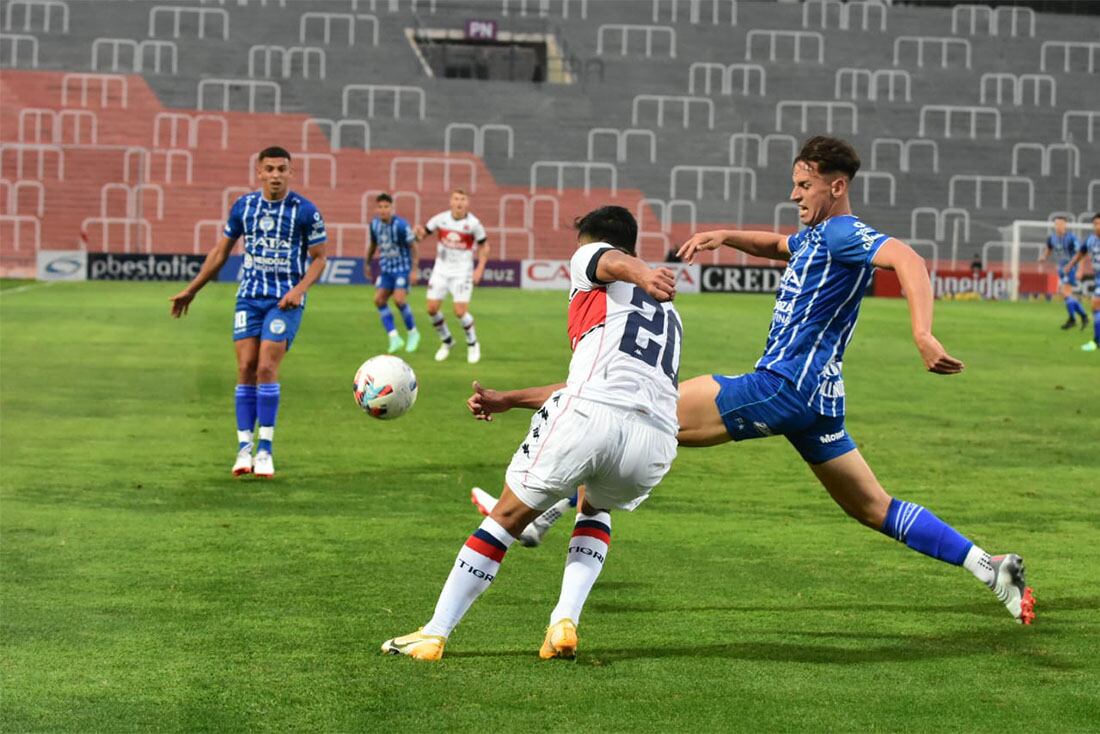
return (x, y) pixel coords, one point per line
(385, 387)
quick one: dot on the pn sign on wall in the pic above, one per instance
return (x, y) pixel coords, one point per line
(481, 30)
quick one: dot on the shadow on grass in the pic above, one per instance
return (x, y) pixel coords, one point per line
(984, 606)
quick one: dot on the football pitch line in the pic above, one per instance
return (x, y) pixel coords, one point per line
(28, 287)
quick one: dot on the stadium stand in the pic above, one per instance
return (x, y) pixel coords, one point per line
(111, 137)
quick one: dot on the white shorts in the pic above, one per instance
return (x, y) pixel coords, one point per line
(617, 454)
(460, 284)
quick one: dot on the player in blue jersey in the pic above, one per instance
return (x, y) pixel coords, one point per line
(1092, 250)
(284, 254)
(797, 390)
(1066, 245)
(393, 239)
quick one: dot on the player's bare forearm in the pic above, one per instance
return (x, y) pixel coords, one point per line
(917, 287)
(759, 244)
(294, 297)
(482, 262)
(614, 265)
(532, 398)
(316, 267)
(484, 403)
(214, 261)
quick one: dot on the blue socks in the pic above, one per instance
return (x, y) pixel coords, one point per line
(387, 319)
(267, 407)
(1096, 327)
(407, 315)
(1075, 308)
(246, 414)
(924, 532)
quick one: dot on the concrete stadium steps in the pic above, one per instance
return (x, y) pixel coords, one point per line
(88, 168)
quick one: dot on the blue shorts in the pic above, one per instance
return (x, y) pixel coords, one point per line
(262, 317)
(1067, 276)
(762, 403)
(393, 281)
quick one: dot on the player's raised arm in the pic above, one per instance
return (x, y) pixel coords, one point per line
(913, 275)
(758, 244)
(615, 265)
(214, 261)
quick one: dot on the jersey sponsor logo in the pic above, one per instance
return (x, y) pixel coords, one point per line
(831, 437)
(866, 235)
(762, 428)
(278, 326)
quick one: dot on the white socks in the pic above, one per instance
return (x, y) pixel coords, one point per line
(583, 563)
(467, 322)
(475, 568)
(977, 562)
(440, 324)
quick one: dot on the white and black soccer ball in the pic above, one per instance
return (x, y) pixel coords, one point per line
(385, 387)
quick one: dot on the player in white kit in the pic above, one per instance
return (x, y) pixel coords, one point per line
(454, 271)
(611, 426)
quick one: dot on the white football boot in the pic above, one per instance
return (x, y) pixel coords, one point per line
(473, 353)
(482, 500)
(443, 352)
(243, 464)
(1010, 586)
(264, 465)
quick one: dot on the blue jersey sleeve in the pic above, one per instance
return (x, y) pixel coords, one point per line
(404, 234)
(796, 241)
(313, 225)
(1072, 245)
(373, 231)
(234, 225)
(851, 241)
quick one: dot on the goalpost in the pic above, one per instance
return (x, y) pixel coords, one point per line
(1025, 240)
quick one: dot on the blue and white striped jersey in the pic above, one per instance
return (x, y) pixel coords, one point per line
(1092, 245)
(817, 306)
(1066, 247)
(277, 237)
(394, 240)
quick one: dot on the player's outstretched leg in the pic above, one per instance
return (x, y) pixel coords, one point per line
(1093, 345)
(245, 399)
(473, 349)
(535, 531)
(412, 335)
(475, 569)
(583, 562)
(853, 486)
(267, 404)
(440, 324)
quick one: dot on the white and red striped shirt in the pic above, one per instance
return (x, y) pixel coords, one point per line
(626, 345)
(457, 239)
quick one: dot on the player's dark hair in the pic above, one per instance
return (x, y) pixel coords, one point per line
(611, 224)
(383, 197)
(1096, 216)
(832, 155)
(1060, 217)
(274, 151)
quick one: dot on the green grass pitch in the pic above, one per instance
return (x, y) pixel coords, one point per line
(145, 589)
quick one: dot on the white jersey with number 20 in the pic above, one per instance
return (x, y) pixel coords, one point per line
(626, 345)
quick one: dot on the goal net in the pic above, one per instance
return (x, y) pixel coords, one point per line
(1019, 249)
